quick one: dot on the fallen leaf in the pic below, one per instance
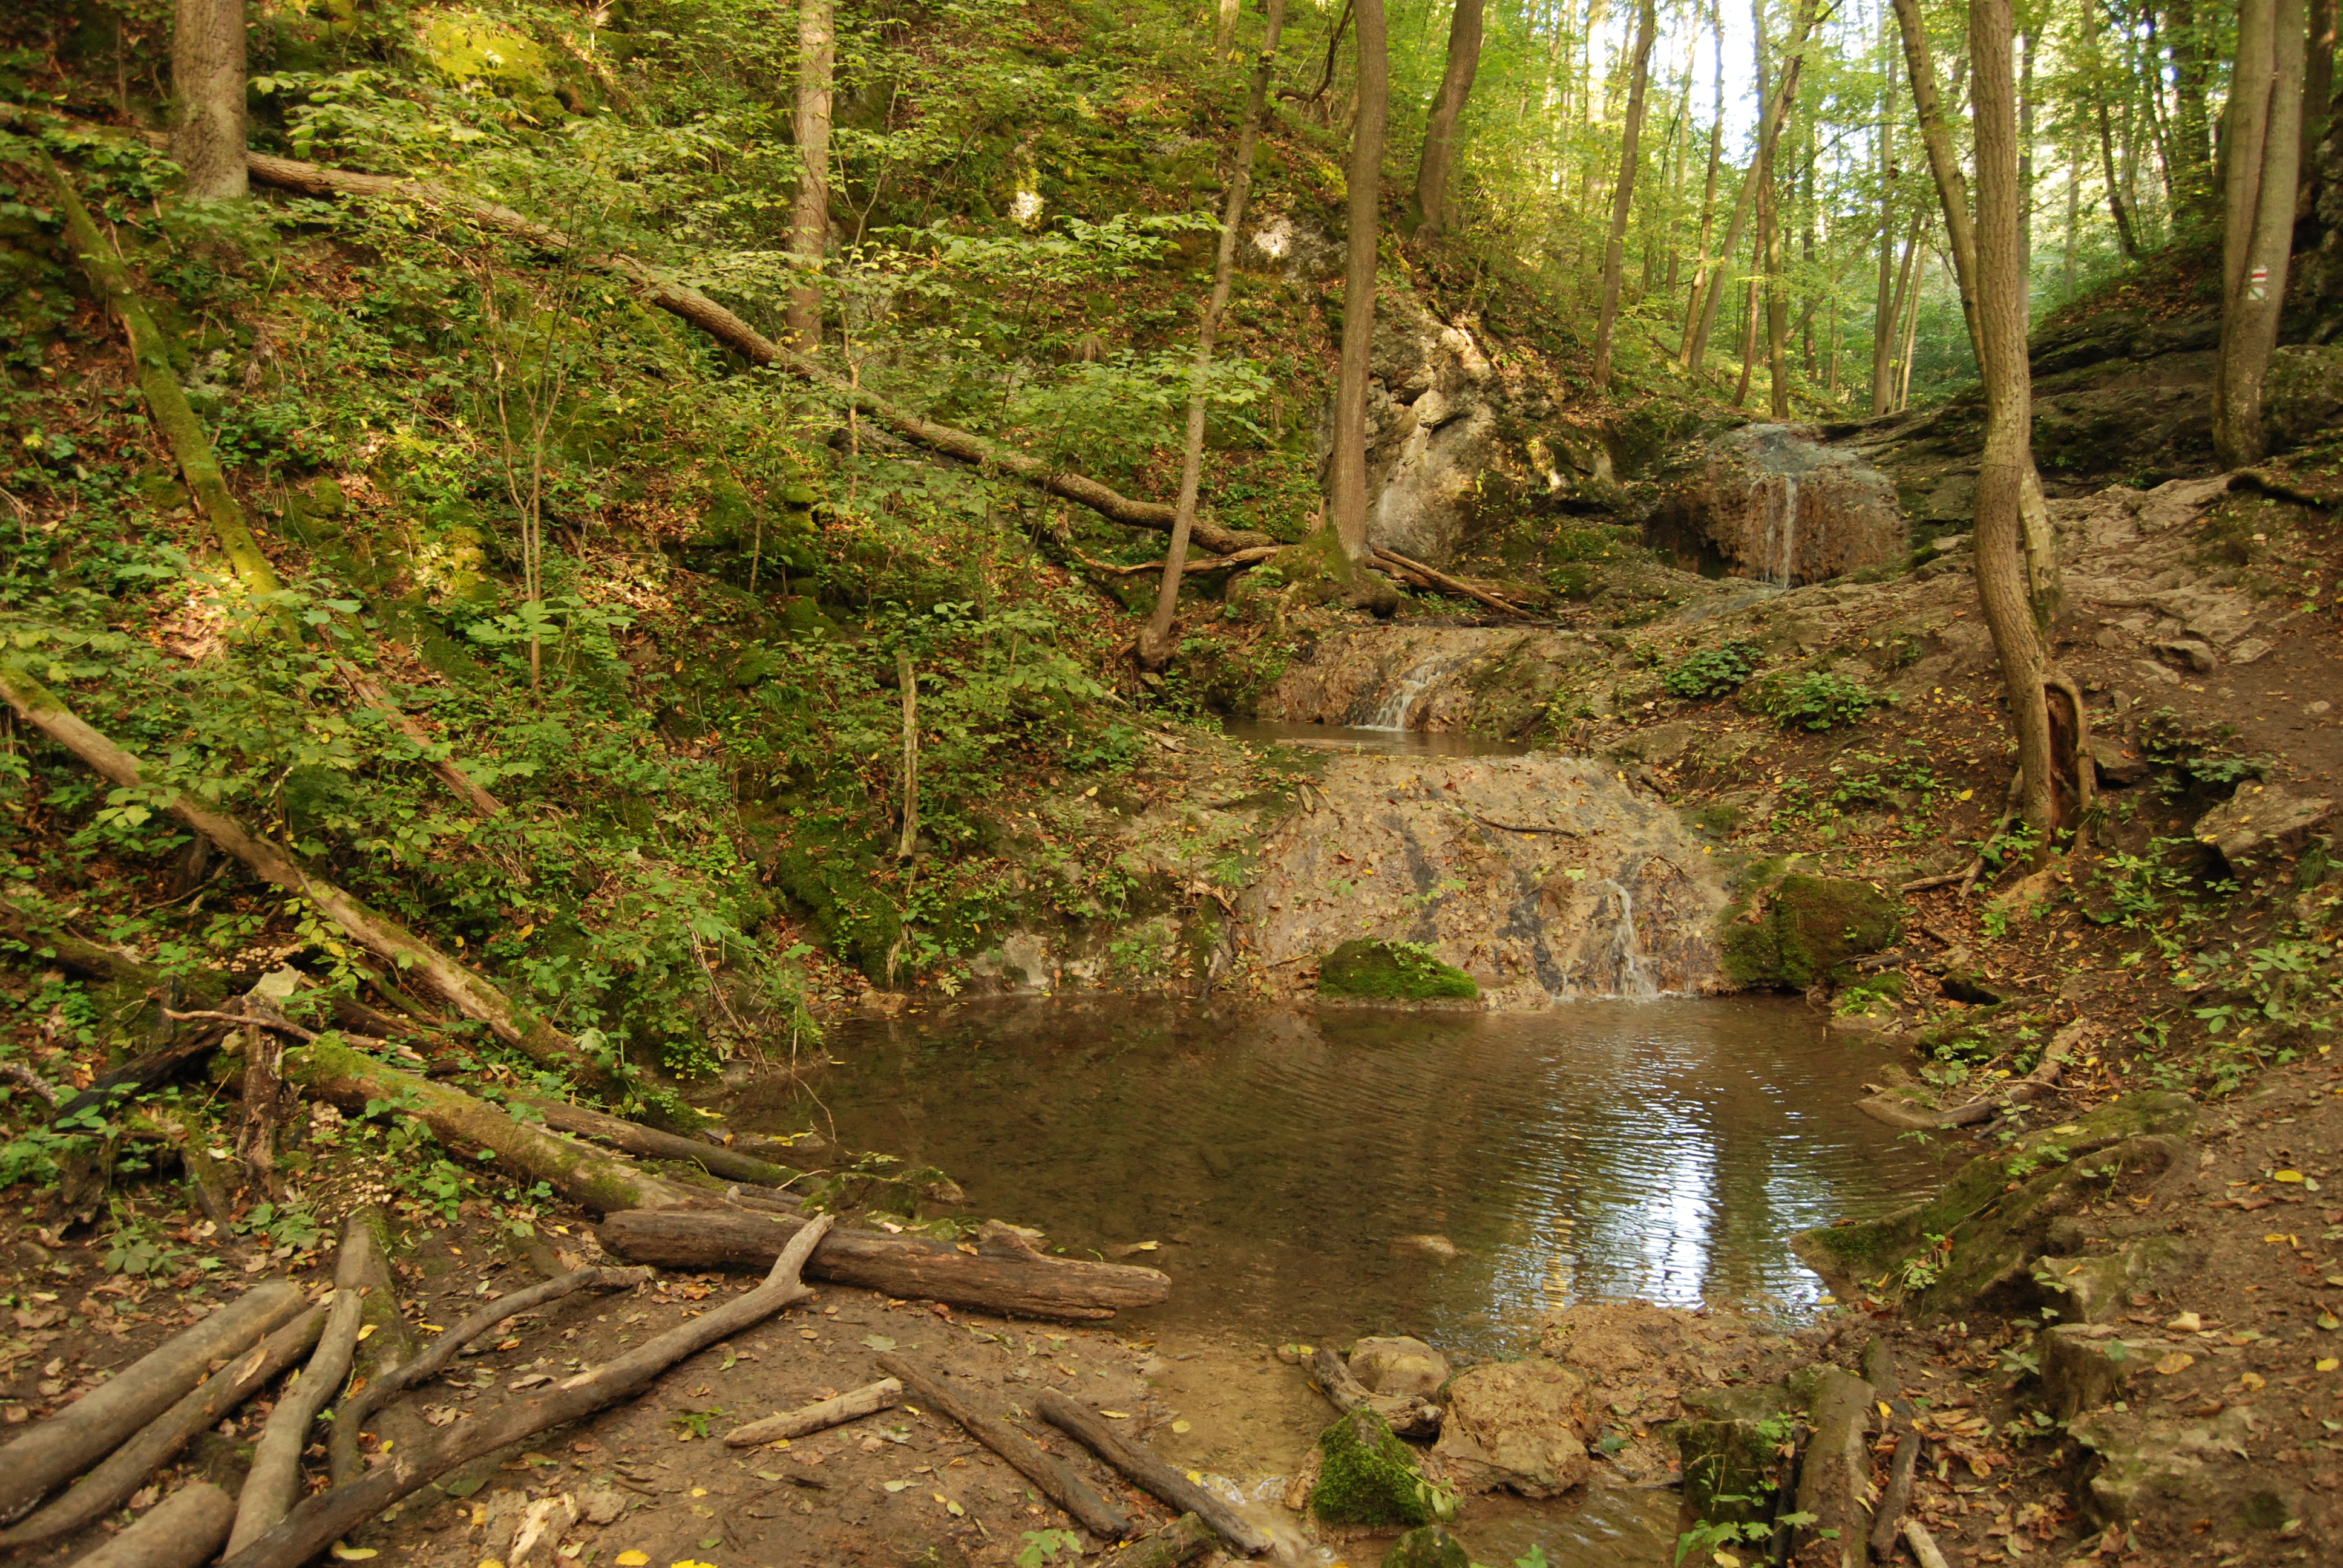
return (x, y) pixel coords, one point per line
(631, 1559)
(2178, 1362)
(1116, 1414)
(2286, 1175)
(1180, 1426)
(878, 1342)
(352, 1553)
(366, 1329)
(2187, 1323)
(2329, 1322)
(2253, 1382)
(900, 1486)
(2328, 1363)
(699, 1492)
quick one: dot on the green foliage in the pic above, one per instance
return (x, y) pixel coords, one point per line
(1817, 699)
(1399, 971)
(1712, 671)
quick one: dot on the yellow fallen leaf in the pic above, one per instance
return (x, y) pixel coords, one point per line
(2286, 1175)
(2252, 1381)
(1116, 1414)
(2277, 1236)
(1178, 1426)
(1962, 796)
(366, 1329)
(699, 1492)
(632, 1559)
(2178, 1362)
(352, 1553)
(2326, 1363)
(954, 1509)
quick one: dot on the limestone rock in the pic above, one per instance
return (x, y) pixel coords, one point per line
(1773, 503)
(2149, 1463)
(1729, 1446)
(1368, 1476)
(1399, 1365)
(2095, 1288)
(2261, 822)
(1515, 1424)
(1430, 1547)
(2118, 766)
(2085, 1367)
(1792, 930)
(2302, 398)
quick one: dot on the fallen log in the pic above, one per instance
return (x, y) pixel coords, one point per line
(1924, 1545)
(852, 1405)
(181, 1532)
(1245, 557)
(634, 1138)
(350, 1079)
(369, 690)
(1408, 1416)
(1184, 1540)
(1144, 1470)
(328, 1515)
(132, 1466)
(1442, 581)
(274, 1482)
(1059, 1480)
(1000, 1274)
(467, 993)
(365, 1401)
(96, 1425)
(1887, 1518)
(379, 1354)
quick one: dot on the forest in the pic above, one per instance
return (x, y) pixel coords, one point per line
(648, 638)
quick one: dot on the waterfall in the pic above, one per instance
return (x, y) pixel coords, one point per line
(1782, 534)
(1625, 949)
(1399, 702)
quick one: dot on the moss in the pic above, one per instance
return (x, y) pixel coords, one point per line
(1430, 1547)
(1792, 929)
(1366, 1475)
(1391, 971)
(1321, 573)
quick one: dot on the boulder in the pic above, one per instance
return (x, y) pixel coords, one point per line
(1391, 971)
(2085, 1367)
(1366, 1475)
(1515, 1424)
(2302, 396)
(1791, 930)
(1399, 1365)
(2260, 823)
(1430, 1547)
(2149, 1464)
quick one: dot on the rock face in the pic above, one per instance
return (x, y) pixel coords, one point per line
(1516, 1425)
(1792, 930)
(1773, 503)
(1540, 877)
(2303, 396)
(1399, 1365)
(1431, 679)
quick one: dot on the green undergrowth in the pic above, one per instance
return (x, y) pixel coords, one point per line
(1391, 971)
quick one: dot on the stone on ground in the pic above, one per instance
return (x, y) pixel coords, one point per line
(1515, 1424)
(1399, 1365)
(1366, 1475)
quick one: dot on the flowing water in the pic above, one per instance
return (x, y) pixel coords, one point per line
(1292, 1169)
(1375, 742)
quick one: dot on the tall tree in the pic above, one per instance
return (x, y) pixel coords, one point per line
(1429, 210)
(2261, 149)
(1882, 318)
(1707, 264)
(810, 219)
(2191, 150)
(1776, 108)
(2008, 459)
(1347, 489)
(1614, 253)
(207, 87)
(1155, 642)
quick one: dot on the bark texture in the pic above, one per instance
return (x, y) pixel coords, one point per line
(1437, 163)
(1060, 1481)
(809, 217)
(207, 98)
(273, 1483)
(1347, 483)
(181, 1532)
(2262, 150)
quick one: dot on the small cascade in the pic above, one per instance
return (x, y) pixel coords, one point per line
(1398, 705)
(1773, 504)
(1625, 949)
(1782, 540)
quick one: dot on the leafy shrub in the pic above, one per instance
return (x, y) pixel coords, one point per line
(1821, 699)
(1712, 671)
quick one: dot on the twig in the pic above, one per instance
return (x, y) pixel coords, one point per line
(1924, 1545)
(16, 1071)
(852, 1405)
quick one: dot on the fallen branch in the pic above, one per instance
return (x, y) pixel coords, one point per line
(1447, 584)
(96, 1424)
(328, 1515)
(1252, 556)
(365, 1401)
(1903, 1114)
(1898, 1497)
(132, 1466)
(350, 1079)
(1947, 880)
(1408, 1416)
(1924, 1545)
(467, 993)
(273, 1483)
(1000, 1274)
(1145, 1470)
(636, 1139)
(379, 1354)
(366, 690)
(1059, 1480)
(852, 1405)
(181, 1532)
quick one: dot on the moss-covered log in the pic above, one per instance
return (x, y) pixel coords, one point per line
(349, 1078)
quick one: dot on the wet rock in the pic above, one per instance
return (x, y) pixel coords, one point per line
(2302, 398)
(2261, 822)
(1430, 1547)
(1399, 1365)
(1436, 1247)
(1729, 1445)
(1390, 971)
(1791, 930)
(1772, 502)
(1834, 1474)
(1368, 1476)
(1514, 1424)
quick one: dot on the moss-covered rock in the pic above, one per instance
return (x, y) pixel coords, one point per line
(1789, 929)
(2303, 399)
(1391, 971)
(1366, 1475)
(1430, 1547)
(1322, 574)
(1730, 1443)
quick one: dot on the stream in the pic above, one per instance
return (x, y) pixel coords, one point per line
(1317, 1175)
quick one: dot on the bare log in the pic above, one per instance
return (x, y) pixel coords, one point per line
(96, 1424)
(111, 1484)
(181, 1532)
(1897, 1113)
(636, 1139)
(1144, 1470)
(1002, 1274)
(365, 1401)
(1059, 1480)
(1441, 580)
(275, 1480)
(379, 1355)
(1252, 556)
(349, 1078)
(1924, 1545)
(1888, 1517)
(1408, 1416)
(1184, 1540)
(467, 993)
(328, 1515)
(852, 1405)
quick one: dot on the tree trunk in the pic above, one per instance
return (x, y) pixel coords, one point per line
(2126, 237)
(207, 98)
(2261, 144)
(1883, 316)
(2192, 156)
(1433, 167)
(810, 219)
(1224, 27)
(1614, 253)
(1348, 486)
(1706, 270)
(2026, 167)
(906, 842)
(1155, 641)
(2317, 81)
(273, 1483)
(2009, 410)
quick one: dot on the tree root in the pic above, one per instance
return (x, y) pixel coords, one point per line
(275, 1480)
